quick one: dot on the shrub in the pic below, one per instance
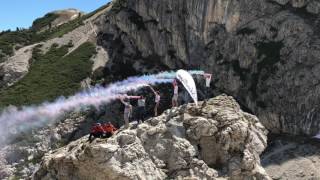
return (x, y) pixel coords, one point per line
(51, 75)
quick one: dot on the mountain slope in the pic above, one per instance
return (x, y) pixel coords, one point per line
(51, 75)
(66, 31)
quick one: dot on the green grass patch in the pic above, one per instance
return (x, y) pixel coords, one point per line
(51, 75)
(9, 39)
(60, 30)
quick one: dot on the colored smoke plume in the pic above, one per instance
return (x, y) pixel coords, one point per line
(14, 121)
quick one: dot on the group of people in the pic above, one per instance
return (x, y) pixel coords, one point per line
(107, 130)
(102, 130)
(141, 110)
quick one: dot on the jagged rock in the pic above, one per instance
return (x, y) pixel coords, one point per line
(184, 142)
(313, 7)
(5, 169)
(264, 53)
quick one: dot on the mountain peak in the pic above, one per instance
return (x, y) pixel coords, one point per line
(56, 18)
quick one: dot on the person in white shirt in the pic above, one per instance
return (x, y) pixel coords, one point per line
(141, 108)
(156, 100)
(208, 78)
(127, 111)
(175, 93)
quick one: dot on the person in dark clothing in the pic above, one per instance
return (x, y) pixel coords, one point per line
(208, 78)
(141, 109)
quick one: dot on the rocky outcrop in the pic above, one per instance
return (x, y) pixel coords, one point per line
(265, 53)
(215, 139)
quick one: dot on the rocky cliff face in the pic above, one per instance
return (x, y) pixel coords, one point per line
(263, 52)
(213, 140)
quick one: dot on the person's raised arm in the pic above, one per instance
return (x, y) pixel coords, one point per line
(153, 90)
(122, 101)
(207, 75)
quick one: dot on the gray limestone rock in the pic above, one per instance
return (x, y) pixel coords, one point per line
(183, 142)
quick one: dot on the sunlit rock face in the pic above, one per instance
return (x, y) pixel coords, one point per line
(264, 53)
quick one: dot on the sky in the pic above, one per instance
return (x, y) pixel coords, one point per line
(21, 13)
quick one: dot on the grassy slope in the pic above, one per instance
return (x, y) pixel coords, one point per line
(51, 75)
(44, 21)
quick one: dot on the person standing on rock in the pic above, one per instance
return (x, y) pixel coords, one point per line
(127, 111)
(157, 100)
(175, 93)
(208, 78)
(141, 108)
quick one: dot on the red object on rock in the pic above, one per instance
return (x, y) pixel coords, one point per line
(97, 128)
(109, 128)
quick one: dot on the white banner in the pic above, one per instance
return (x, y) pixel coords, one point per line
(188, 82)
